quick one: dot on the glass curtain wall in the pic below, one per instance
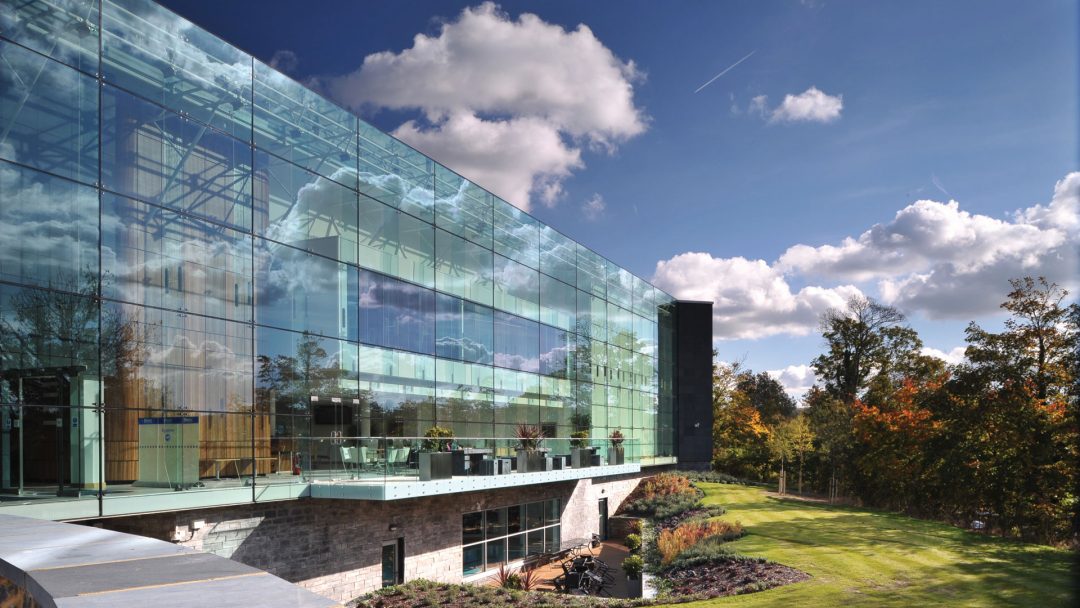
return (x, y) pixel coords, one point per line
(201, 255)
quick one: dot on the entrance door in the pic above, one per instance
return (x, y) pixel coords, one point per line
(603, 519)
(393, 563)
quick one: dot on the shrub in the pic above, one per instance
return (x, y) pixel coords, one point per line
(633, 542)
(662, 507)
(435, 439)
(579, 439)
(670, 543)
(508, 578)
(667, 484)
(709, 550)
(633, 566)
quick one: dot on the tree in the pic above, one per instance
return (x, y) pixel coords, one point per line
(1039, 342)
(865, 340)
(739, 435)
(802, 441)
(780, 448)
(767, 396)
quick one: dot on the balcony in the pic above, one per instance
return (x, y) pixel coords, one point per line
(391, 468)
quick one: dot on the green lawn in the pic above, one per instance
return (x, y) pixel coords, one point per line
(859, 557)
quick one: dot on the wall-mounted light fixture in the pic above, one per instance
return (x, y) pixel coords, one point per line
(393, 527)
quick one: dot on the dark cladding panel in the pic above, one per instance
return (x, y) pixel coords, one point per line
(694, 386)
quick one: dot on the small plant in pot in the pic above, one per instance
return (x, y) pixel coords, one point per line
(615, 452)
(579, 449)
(436, 461)
(632, 567)
(529, 457)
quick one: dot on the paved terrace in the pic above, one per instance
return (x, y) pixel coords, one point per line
(59, 565)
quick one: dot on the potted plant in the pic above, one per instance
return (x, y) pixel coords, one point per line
(529, 457)
(615, 452)
(580, 454)
(633, 566)
(436, 461)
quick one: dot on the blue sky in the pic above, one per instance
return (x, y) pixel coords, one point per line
(843, 118)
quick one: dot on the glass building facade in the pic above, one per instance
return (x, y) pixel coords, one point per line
(196, 249)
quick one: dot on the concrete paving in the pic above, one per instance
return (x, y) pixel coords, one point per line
(70, 566)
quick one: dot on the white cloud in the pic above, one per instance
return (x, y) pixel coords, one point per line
(524, 94)
(932, 258)
(936, 258)
(751, 299)
(759, 105)
(954, 356)
(812, 105)
(796, 379)
(593, 207)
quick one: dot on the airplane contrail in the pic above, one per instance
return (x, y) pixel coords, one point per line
(729, 68)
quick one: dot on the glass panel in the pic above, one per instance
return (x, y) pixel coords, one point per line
(513, 519)
(396, 243)
(157, 156)
(389, 565)
(515, 547)
(558, 255)
(620, 326)
(397, 391)
(553, 512)
(396, 314)
(395, 174)
(56, 454)
(517, 288)
(517, 236)
(296, 372)
(48, 114)
(619, 285)
(592, 316)
(472, 527)
(163, 57)
(553, 538)
(591, 271)
(472, 560)
(496, 523)
(558, 303)
(295, 123)
(304, 292)
(556, 352)
(163, 360)
(66, 30)
(517, 342)
(49, 231)
(161, 258)
(517, 400)
(463, 330)
(463, 268)
(462, 207)
(305, 210)
(463, 398)
(48, 330)
(536, 542)
(534, 515)
(496, 553)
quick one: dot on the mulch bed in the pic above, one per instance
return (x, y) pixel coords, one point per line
(732, 578)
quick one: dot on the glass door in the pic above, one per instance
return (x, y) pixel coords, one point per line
(393, 559)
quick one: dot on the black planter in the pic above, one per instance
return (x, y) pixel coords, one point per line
(436, 465)
(615, 455)
(530, 462)
(580, 457)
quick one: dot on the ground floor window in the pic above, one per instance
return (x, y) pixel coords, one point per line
(494, 537)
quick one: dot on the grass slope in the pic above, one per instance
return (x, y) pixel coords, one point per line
(859, 557)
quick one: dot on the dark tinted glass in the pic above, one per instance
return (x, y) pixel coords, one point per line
(396, 314)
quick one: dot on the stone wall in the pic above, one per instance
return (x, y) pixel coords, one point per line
(333, 547)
